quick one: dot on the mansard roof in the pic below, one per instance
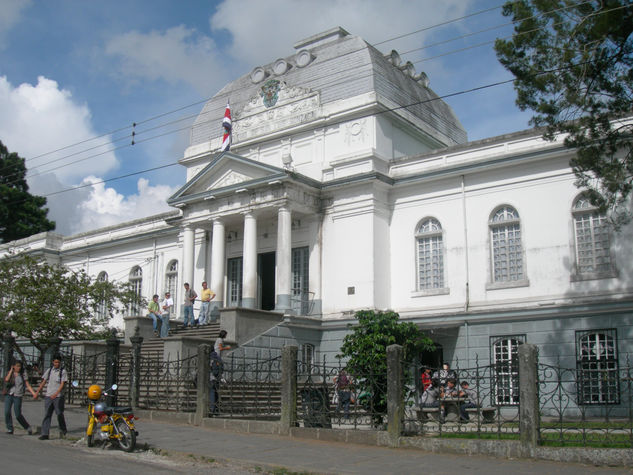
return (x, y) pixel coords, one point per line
(333, 66)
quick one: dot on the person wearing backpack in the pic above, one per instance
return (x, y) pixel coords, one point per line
(54, 378)
(215, 376)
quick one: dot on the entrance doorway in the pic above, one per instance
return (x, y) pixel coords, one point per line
(432, 359)
(266, 281)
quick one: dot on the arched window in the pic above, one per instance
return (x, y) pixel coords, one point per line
(597, 365)
(430, 254)
(102, 309)
(171, 281)
(136, 279)
(506, 247)
(505, 360)
(592, 239)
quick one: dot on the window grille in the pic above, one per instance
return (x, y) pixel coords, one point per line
(102, 309)
(507, 250)
(593, 242)
(300, 280)
(307, 357)
(430, 249)
(234, 277)
(171, 282)
(505, 359)
(136, 279)
(597, 366)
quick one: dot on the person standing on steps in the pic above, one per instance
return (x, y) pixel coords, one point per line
(167, 305)
(16, 381)
(55, 379)
(190, 297)
(205, 301)
(154, 312)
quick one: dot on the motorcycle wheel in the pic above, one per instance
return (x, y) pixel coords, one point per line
(91, 440)
(127, 439)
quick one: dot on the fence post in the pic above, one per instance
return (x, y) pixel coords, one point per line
(395, 404)
(288, 389)
(202, 395)
(112, 359)
(137, 342)
(529, 414)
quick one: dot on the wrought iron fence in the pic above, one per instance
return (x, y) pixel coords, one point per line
(329, 396)
(492, 411)
(250, 388)
(86, 370)
(167, 385)
(586, 406)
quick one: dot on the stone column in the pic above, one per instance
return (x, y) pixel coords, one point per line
(249, 277)
(284, 259)
(288, 389)
(395, 403)
(188, 248)
(202, 397)
(529, 413)
(137, 342)
(218, 262)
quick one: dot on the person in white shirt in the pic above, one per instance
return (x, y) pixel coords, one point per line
(167, 306)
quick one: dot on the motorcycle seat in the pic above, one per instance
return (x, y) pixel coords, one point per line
(121, 409)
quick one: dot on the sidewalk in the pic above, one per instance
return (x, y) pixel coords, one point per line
(301, 455)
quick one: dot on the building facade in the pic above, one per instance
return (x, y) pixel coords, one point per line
(350, 185)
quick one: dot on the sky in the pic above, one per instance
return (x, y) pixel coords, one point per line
(76, 75)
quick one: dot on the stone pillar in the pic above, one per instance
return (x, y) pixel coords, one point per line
(202, 397)
(112, 362)
(218, 262)
(249, 277)
(137, 343)
(395, 403)
(529, 413)
(288, 389)
(188, 252)
(284, 259)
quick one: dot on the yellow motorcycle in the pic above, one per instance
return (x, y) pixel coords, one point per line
(109, 423)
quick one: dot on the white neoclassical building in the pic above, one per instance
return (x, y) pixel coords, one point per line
(350, 185)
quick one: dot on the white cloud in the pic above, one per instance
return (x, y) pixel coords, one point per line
(176, 55)
(374, 20)
(11, 13)
(105, 206)
(37, 119)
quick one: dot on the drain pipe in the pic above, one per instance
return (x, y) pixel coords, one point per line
(465, 223)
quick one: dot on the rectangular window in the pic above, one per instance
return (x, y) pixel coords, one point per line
(507, 253)
(430, 262)
(504, 355)
(234, 278)
(300, 280)
(597, 367)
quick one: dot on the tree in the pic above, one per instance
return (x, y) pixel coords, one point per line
(21, 213)
(366, 351)
(572, 63)
(40, 301)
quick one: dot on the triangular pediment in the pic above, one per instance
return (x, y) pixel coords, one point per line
(226, 173)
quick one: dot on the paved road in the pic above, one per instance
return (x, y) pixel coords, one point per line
(248, 451)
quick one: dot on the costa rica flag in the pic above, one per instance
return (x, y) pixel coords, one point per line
(226, 124)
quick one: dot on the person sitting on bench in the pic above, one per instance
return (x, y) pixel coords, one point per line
(471, 400)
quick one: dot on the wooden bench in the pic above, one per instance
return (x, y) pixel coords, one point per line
(487, 413)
